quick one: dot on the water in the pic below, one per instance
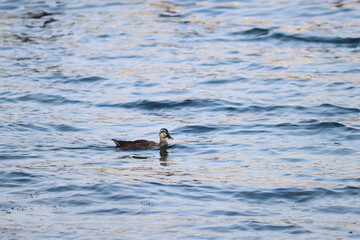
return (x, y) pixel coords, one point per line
(262, 98)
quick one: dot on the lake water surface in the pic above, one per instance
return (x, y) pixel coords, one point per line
(262, 98)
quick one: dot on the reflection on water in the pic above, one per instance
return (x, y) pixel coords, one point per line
(163, 153)
(163, 156)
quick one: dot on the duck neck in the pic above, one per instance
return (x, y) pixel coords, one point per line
(162, 142)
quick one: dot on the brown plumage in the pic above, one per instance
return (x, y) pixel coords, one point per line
(144, 144)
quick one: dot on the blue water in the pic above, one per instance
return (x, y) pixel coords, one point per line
(262, 98)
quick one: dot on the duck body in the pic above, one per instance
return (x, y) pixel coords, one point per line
(138, 144)
(144, 144)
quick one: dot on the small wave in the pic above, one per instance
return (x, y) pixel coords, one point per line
(26, 127)
(353, 137)
(294, 194)
(312, 125)
(315, 39)
(109, 211)
(260, 34)
(339, 210)
(249, 132)
(91, 79)
(323, 110)
(218, 105)
(330, 125)
(150, 105)
(252, 32)
(224, 81)
(81, 147)
(264, 196)
(75, 200)
(235, 213)
(17, 157)
(8, 7)
(44, 98)
(66, 188)
(185, 146)
(234, 107)
(292, 160)
(104, 58)
(330, 109)
(65, 128)
(198, 129)
(17, 178)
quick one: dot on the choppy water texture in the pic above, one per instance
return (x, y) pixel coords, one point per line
(262, 98)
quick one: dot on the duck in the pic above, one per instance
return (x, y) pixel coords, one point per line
(144, 144)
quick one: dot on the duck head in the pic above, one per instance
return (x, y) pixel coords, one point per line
(164, 133)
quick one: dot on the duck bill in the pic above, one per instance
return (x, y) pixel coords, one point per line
(169, 137)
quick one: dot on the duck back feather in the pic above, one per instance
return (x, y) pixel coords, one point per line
(138, 144)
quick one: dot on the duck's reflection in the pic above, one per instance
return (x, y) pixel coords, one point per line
(163, 156)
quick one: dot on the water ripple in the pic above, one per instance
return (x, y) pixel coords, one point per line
(43, 98)
(261, 98)
(258, 34)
